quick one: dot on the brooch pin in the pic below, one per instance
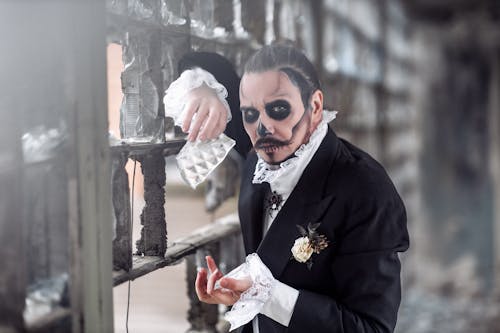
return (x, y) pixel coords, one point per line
(310, 242)
(273, 202)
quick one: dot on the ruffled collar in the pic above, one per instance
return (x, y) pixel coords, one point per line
(284, 177)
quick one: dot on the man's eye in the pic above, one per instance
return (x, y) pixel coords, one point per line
(278, 111)
(250, 116)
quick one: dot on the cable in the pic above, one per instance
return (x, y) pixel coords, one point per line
(131, 231)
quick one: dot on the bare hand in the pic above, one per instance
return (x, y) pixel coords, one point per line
(232, 288)
(211, 114)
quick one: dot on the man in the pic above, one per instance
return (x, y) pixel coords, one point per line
(322, 215)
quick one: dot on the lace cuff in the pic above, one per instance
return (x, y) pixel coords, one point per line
(175, 95)
(252, 300)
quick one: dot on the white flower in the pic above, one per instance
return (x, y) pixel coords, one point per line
(302, 249)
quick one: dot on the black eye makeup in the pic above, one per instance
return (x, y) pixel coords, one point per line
(278, 110)
(250, 115)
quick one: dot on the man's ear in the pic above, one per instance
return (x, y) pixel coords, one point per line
(316, 108)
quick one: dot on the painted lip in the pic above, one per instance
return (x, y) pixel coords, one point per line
(269, 148)
(269, 144)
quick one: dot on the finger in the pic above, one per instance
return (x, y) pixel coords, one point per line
(221, 126)
(211, 263)
(191, 107)
(235, 285)
(221, 123)
(209, 125)
(201, 116)
(225, 296)
(201, 284)
(216, 275)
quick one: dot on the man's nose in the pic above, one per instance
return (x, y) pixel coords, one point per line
(262, 131)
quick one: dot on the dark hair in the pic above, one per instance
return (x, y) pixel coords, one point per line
(290, 61)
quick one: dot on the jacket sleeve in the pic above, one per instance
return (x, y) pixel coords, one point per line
(366, 270)
(225, 74)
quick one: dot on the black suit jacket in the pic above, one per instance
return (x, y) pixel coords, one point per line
(354, 284)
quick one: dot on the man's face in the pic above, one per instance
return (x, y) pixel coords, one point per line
(274, 116)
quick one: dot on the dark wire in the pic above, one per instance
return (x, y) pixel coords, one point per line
(131, 229)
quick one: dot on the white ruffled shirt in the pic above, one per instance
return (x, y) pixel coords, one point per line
(283, 180)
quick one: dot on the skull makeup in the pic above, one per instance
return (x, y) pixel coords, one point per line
(280, 106)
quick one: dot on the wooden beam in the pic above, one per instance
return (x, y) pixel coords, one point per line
(12, 274)
(443, 10)
(168, 148)
(153, 241)
(494, 130)
(86, 22)
(122, 241)
(12, 101)
(180, 248)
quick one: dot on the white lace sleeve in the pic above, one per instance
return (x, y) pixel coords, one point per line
(251, 301)
(175, 95)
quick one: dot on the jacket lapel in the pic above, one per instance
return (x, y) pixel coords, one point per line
(250, 209)
(307, 202)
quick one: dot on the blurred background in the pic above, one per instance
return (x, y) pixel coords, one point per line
(416, 84)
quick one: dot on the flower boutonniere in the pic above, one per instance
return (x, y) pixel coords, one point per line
(310, 242)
